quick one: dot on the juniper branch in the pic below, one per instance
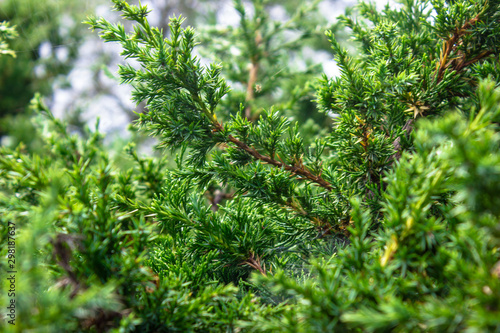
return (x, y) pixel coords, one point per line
(450, 45)
(297, 170)
(456, 64)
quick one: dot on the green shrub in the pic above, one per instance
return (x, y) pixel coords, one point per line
(387, 219)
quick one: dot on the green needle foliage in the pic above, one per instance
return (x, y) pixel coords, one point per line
(387, 220)
(6, 32)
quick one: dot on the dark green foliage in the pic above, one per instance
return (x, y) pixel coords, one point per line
(388, 220)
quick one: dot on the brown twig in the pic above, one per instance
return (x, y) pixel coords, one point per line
(295, 169)
(301, 171)
(252, 78)
(450, 45)
(254, 262)
(477, 58)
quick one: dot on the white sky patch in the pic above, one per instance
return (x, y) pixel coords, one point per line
(278, 13)
(81, 79)
(102, 11)
(45, 50)
(227, 15)
(331, 10)
(61, 99)
(112, 119)
(40, 70)
(67, 23)
(154, 15)
(62, 53)
(235, 51)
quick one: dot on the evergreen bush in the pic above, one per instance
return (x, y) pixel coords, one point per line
(385, 218)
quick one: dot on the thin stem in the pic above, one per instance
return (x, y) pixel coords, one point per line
(252, 77)
(450, 45)
(254, 262)
(301, 171)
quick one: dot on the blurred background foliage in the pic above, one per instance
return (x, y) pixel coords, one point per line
(49, 34)
(57, 57)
